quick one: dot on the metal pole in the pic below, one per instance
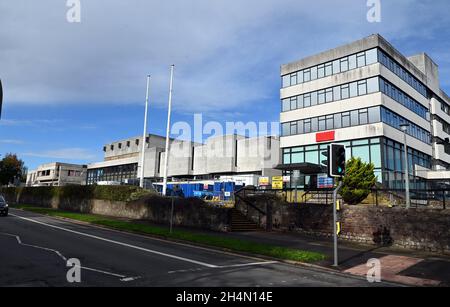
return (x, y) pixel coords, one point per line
(166, 155)
(408, 201)
(144, 135)
(335, 222)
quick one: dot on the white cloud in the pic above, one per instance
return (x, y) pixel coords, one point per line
(226, 53)
(12, 142)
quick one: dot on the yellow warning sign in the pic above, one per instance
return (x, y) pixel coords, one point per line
(338, 228)
(277, 182)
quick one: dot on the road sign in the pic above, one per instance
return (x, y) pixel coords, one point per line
(277, 182)
(263, 181)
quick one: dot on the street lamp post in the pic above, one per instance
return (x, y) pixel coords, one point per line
(404, 128)
(144, 136)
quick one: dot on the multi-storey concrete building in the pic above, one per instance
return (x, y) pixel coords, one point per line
(359, 95)
(57, 174)
(228, 155)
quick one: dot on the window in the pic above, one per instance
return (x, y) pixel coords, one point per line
(346, 119)
(120, 145)
(314, 124)
(337, 121)
(285, 129)
(352, 62)
(293, 103)
(363, 117)
(344, 65)
(293, 128)
(362, 88)
(293, 79)
(330, 122)
(314, 98)
(286, 81)
(322, 123)
(306, 75)
(313, 73)
(329, 95)
(328, 69)
(111, 147)
(104, 148)
(374, 115)
(336, 67)
(354, 118)
(307, 123)
(286, 105)
(361, 59)
(321, 71)
(128, 143)
(353, 89)
(337, 93)
(345, 91)
(321, 96)
(300, 129)
(372, 85)
(371, 56)
(307, 100)
(137, 141)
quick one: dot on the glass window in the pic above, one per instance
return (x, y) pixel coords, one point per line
(328, 69)
(354, 118)
(330, 122)
(337, 121)
(314, 98)
(293, 78)
(286, 81)
(363, 117)
(372, 85)
(307, 100)
(344, 64)
(300, 77)
(352, 62)
(336, 67)
(306, 75)
(293, 103)
(285, 129)
(361, 59)
(329, 95)
(371, 56)
(287, 159)
(298, 157)
(362, 152)
(374, 115)
(314, 73)
(353, 89)
(312, 157)
(293, 128)
(321, 71)
(322, 123)
(307, 125)
(362, 87)
(337, 93)
(321, 96)
(375, 155)
(286, 105)
(300, 102)
(345, 91)
(346, 119)
(300, 129)
(314, 124)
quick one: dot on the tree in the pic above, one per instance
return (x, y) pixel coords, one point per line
(12, 169)
(358, 180)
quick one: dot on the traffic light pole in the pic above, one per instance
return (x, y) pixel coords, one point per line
(335, 193)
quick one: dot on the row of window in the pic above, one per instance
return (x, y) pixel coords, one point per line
(401, 97)
(112, 173)
(332, 121)
(395, 120)
(445, 107)
(397, 69)
(394, 157)
(340, 92)
(351, 119)
(119, 145)
(331, 68)
(366, 149)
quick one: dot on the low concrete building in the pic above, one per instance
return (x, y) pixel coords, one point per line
(57, 174)
(228, 155)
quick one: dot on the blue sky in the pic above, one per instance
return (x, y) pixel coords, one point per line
(69, 88)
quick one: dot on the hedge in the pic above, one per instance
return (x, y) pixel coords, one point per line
(113, 193)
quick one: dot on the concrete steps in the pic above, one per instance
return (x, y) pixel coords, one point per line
(239, 222)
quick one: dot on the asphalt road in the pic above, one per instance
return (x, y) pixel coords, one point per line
(34, 249)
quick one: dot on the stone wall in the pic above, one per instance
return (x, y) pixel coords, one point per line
(190, 212)
(421, 229)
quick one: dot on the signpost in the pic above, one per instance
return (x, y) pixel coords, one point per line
(336, 169)
(277, 182)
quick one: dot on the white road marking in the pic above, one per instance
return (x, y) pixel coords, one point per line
(226, 266)
(118, 243)
(122, 277)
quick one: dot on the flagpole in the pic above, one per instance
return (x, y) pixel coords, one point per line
(166, 155)
(144, 135)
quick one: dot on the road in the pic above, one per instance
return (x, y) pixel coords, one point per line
(34, 249)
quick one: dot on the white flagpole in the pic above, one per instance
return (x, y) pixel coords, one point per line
(144, 135)
(166, 155)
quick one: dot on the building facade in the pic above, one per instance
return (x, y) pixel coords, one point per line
(359, 95)
(57, 174)
(221, 156)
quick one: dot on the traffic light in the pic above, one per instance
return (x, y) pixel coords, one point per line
(337, 160)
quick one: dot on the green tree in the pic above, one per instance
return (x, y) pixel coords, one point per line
(359, 179)
(12, 169)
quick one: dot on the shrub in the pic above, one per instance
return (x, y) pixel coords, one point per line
(359, 179)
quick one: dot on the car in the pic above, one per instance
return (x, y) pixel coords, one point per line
(3, 206)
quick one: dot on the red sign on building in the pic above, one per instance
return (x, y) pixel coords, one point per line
(325, 136)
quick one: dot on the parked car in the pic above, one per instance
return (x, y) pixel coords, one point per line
(3, 206)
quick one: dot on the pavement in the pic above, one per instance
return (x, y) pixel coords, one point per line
(414, 268)
(35, 249)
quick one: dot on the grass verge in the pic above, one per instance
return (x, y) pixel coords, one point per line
(206, 239)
